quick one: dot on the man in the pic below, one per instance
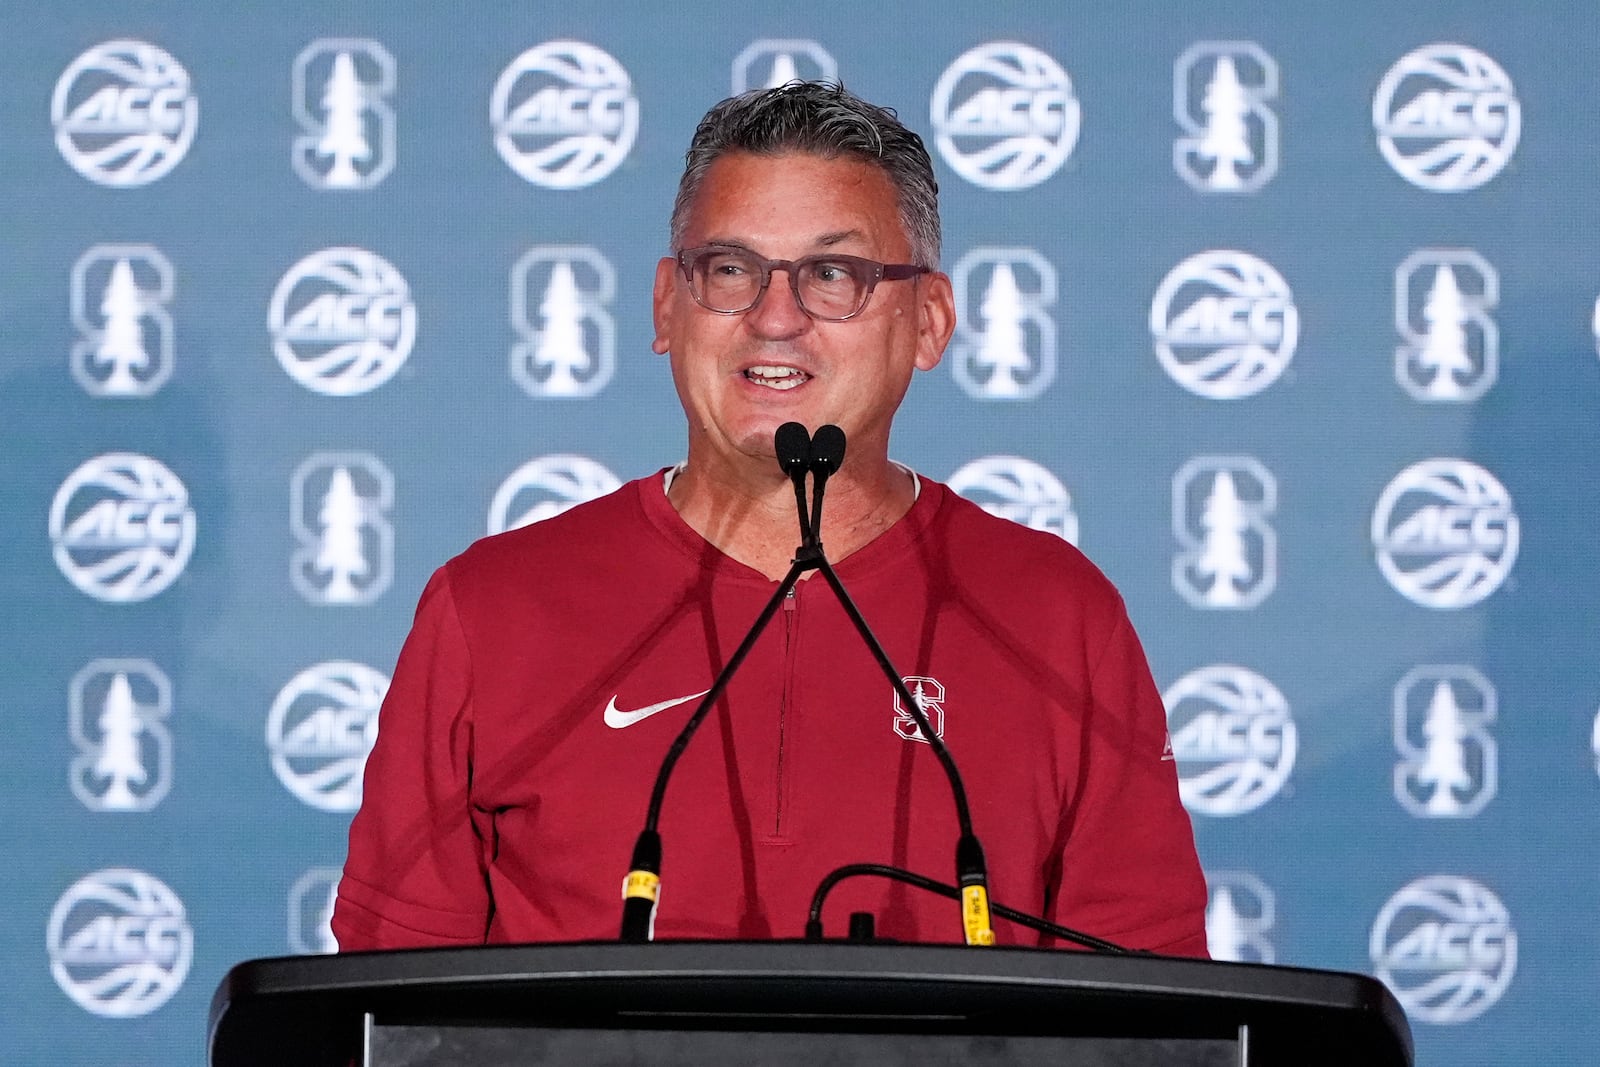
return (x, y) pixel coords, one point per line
(550, 667)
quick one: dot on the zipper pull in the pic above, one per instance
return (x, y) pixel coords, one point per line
(788, 600)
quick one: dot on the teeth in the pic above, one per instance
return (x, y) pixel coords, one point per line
(776, 377)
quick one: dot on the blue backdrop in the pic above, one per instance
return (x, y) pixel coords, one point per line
(1287, 317)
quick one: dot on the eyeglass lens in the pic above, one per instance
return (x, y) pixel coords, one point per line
(730, 280)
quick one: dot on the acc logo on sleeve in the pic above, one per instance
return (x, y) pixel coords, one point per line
(1233, 739)
(320, 730)
(120, 944)
(1447, 118)
(339, 510)
(1442, 298)
(1446, 947)
(1012, 354)
(342, 321)
(1225, 324)
(122, 527)
(767, 64)
(120, 296)
(1220, 91)
(547, 486)
(559, 297)
(1448, 759)
(1229, 551)
(1004, 116)
(564, 114)
(116, 715)
(1020, 490)
(1445, 533)
(311, 901)
(1239, 916)
(124, 113)
(342, 92)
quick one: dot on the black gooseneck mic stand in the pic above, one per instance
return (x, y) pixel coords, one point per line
(641, 889)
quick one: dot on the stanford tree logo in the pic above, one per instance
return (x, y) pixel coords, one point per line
(1225, 324)
(1446, 947)
(1442, 299)
(1449, 763)
(767, 64)
(342, 93)
(547, 486)
(1239, 916)
(342, 321)
(120, 298)
(124, 113)
(1220, 91)
(1005, 116)
(1445, 533)
(1447, 118)
(1228, 554)
(120, 944)
(559, 301)
(1020, 490)
(116, 715)
(321, 729)
(339, 506)
(1005, 343)
(564, 114)
(122, 527)
(1233, 739)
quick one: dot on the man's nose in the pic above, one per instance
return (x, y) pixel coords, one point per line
(778, 314)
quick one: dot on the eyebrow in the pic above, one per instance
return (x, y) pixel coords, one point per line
(827, 240)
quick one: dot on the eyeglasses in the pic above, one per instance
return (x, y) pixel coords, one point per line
(828, 287)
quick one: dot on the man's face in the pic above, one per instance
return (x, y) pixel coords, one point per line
(741, 376)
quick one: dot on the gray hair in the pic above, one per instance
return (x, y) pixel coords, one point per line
(824, 119)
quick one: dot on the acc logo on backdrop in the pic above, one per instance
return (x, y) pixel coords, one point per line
(1012, 354)
(122, 527)
(1020, 490)
(1449, 762)
(124, 113)
(929, 695)
(342, 321)
(1239, 916)
(1233, 739)
(767, 64)
(342, 91)
(339, 510)
(564, 114)
(311, 912)
(1229, 553)
(1446, 948)
(116, 712)
(120, 944)
(559, 296)
(119, 296)
(547, 486)
(1220, 91)
(1445, 533)
(1442, 298)
(320, 730)
(1225, 324)
(1004, 116)
(1447, 118)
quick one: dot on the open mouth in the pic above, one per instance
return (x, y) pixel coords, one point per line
(776, 377)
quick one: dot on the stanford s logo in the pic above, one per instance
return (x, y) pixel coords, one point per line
(929, 695)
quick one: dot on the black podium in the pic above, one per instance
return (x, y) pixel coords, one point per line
(795, 1003)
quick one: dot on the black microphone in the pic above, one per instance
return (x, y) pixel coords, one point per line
(793, 445)
(827, 456)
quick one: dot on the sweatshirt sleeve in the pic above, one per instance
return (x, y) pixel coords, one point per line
(415, 873)
(1128, 870)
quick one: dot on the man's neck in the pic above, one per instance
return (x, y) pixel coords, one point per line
(750, 515)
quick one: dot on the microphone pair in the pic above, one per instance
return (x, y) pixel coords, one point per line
(800, 453)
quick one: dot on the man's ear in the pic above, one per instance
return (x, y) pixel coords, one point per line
(661, 301)
(936, 319)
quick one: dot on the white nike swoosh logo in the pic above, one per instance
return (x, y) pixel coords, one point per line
(617, 719)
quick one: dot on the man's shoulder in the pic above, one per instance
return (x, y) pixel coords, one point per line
(980, 537)
(587, 529)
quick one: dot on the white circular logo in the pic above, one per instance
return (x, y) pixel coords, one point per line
(547, 486)
(1232, 737)
(320, 730)
(564, 114)
(1005, 116)
(1224, 324)
(1446, 948)
(1020, 490)
(122, 527)
(1447, 118)
(342, 321)
(124, 113)
(119, 943)
(1445, 533)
